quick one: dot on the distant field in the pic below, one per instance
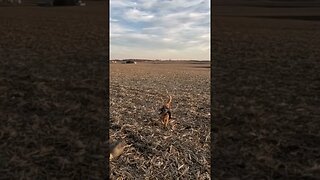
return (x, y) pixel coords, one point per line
(266, 8)
(52, 92)
(137, 91)
(266, 81)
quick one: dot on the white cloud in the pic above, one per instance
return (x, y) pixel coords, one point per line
(113, 20)
(116, 28)
(137, 15)
(120, 3)
(160, 29)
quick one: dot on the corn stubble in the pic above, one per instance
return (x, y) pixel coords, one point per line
(136, 93)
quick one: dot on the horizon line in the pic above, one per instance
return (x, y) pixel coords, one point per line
(159, 59)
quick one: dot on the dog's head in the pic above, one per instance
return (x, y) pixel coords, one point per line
(163, 110)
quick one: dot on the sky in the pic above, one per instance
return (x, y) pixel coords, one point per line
(160, 29)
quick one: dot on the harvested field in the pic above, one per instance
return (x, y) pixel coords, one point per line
(137, 91)
(52, 92)
(266, 108)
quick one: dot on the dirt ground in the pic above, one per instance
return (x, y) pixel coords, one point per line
(266, 107)
(137, 91)
(52, 92)
(266, 80)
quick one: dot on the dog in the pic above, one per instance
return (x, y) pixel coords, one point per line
(165, 112)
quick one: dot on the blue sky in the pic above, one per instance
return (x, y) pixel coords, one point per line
(160, 29)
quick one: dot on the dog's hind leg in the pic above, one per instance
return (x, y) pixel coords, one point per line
(166, 120)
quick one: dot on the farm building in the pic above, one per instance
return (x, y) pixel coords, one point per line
(10, 2)
(130, 61)
(60, 3)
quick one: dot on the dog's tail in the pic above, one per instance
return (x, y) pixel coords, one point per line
(170, 97)
(169, 100)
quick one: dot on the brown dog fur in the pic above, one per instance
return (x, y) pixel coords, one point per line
(165, 114)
